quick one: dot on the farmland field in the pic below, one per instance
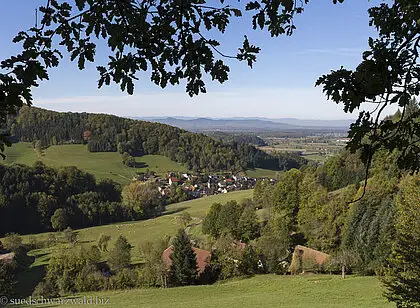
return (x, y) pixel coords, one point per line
(316, 148)
(259, 291)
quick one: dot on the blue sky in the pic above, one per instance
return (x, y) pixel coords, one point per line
(280, 85)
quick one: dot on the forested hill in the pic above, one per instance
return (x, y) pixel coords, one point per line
(108, 133)
(237, 137)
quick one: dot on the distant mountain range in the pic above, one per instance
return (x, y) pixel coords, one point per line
(249, 124)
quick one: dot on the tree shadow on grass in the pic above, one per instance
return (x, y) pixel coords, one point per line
(28, 279)
(140, 164)
(174, 211)
(86, 242)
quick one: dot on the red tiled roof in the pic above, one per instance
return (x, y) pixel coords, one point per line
(86, 134)
(320, 257)
(312, 258)
(203, 258)
(174, 179)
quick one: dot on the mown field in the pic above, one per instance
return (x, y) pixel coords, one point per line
(316, 148)
(138, 232)
(260, 291)
(102, 165)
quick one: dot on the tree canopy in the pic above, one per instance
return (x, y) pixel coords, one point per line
(175, 41)
(388, 75)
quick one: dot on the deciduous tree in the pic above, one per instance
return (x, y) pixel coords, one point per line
(7, 278)
(142, 197)
(59, 221)
(210, 225)
(103, 241)
(120, 256)
(248, 226)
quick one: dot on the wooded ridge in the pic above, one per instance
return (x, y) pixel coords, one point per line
(108, 133)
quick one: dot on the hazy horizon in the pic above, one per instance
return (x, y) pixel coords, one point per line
(281, 84)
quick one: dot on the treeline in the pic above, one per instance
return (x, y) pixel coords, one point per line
(239, 138)
(39, 198)
(110, 134)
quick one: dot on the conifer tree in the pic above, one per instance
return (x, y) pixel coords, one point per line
(184, 264)
(403, 279)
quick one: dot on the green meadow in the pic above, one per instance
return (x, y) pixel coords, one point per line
(262, 173)
(136, 232)
(261, 290)
(102, 165)
(317, 291)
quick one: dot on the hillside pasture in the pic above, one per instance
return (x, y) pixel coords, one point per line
(262, 173)
(136, 232)
(101, 164)
(317, 291)
(261, 290)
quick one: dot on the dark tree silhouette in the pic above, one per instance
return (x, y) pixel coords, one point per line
(184, 264)
(175, 41)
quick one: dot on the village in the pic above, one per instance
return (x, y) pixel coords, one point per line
(199, 185)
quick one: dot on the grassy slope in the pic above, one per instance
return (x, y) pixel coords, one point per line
(262, 173)
(146, 230)
(136, 232)
(153, 229)
(264, 290)
(102, 165)
(260, 291)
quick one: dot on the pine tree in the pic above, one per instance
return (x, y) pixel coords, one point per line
(403, 279)
(184, 264)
